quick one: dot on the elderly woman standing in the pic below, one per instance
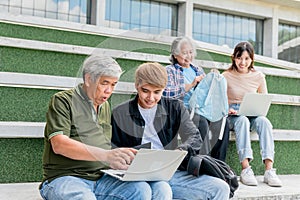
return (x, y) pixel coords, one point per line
(183, 76)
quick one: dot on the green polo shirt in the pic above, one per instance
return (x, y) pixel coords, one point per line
(71, 113)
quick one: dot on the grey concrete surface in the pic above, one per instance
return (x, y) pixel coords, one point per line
(20, 191)
(289, 191)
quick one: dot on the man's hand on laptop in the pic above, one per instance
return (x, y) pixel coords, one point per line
(120, 158)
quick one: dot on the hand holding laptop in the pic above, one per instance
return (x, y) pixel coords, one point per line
(253, 104)
(150, 165)
(120, 158)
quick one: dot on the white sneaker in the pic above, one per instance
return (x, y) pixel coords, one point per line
(247, 177)
(271, 178)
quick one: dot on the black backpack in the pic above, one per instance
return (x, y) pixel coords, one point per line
(204, 164)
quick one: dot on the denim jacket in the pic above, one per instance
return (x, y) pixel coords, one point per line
(210, 97)
(171, 119)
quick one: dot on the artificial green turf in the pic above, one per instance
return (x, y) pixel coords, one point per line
(21, 159)
(283, 85)
(284, 116)
(49, 35)
(8, 29)
(40, 62)
(82, 39)
(286, 160)
(64, 64)
(24, 104)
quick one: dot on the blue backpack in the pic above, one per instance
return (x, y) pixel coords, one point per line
(209, 98)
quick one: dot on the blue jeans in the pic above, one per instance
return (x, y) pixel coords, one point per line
(242, 126)
(107, 187)
(189, 187)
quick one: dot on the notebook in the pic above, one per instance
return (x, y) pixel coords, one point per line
(150, 165)
(255, 104)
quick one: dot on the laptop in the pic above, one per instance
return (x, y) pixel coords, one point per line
(255, 104)
(150, 165)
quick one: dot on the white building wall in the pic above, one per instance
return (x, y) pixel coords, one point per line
(271, 13)
(271, 35)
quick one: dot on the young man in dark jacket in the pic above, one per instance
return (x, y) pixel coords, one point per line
(149, 117)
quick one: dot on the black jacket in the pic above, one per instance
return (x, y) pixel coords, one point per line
(171, 119)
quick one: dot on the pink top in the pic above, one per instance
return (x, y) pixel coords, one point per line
(238, 84)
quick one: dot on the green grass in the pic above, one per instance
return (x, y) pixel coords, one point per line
(21, 159)
(283, 85)
(25, 104)
(286, 161)
(39, 62)
(82, 39)
(94, 40)
(284, 116)
(49, 35)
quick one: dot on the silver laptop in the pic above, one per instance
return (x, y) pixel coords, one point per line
(255, 104)
(150, 165)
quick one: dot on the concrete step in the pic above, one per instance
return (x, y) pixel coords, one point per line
(20, 191)
(289, 191)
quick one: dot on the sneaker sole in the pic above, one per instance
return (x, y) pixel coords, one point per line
(272, 185)
(249, 184)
